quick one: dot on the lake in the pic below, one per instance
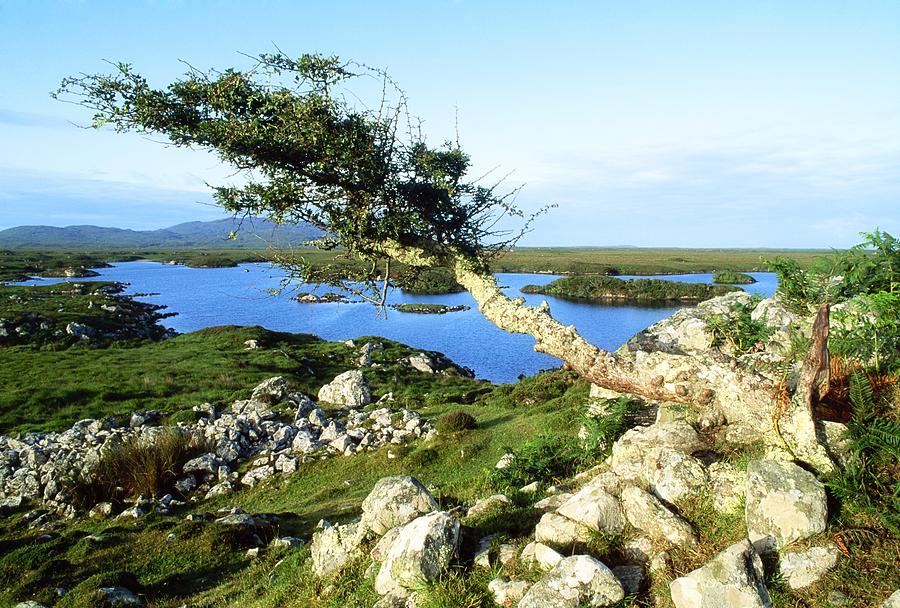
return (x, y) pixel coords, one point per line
(204, 297)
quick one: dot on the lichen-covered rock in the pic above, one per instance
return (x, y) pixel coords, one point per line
(349, 388)
(893, 601)
(727, 486)
(552, 502)
(803, 568)
(507, 593)
(273, 390)
(539, 555)
(561, 531)
(784, 503)
(380, 550)
(420, 554)
(422, 363)
(631, 449)
(119, 597)
(488, 505)
(733, 578)
(596, 509)
(646, 513)
(395, 501)
(576, 581)
(673, 475)
(332, 547)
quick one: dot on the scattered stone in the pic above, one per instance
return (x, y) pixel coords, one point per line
(646, 513)
(674, 476)
(332, 547)
(507, 593)
(784, 503)
(420, 554)
(893, 601)
(422, 363)
(395, 501)
(596, 509)
(505, 461)
(727, 487)
(733, 578)
(560, 531)
(290, 542)
(552, 503)
(116, 597)
(488, 505)
(803, 568)
(540, 556)
(531, 488)
(380, 550)
(349, 388)
(576, 581)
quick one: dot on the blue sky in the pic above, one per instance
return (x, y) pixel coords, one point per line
(693, 124)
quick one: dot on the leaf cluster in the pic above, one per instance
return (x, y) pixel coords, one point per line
(737, 330)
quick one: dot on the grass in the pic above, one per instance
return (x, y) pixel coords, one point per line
(732, 277)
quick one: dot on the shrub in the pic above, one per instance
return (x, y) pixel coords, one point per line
(140, 466)
(602, 431)
(542, 387)
(545, 458)
(456, 420)
(732, 277)
(737, 330)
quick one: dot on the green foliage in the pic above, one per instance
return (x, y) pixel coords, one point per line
(732, 277)
(457, 420)
(602, 431)
(428, 281)
(638, 290)
(541, 387)
(545, 458)
(737, 330)
(869, 483)
(798, 288)
(867, 330)
(137, 467)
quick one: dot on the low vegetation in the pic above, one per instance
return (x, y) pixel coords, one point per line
(636, 290)
(736, 330)
(732, 277)
(427, 281)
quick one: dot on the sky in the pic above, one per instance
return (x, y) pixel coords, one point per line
(671, 123)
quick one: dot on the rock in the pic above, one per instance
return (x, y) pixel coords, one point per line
(784, 503)
(674, 476)
(488, 505)
(251, 344)
(395, 501)
(271, 391)
(422, 363)
(206, 463)
(531, 488)
(727, 486)
(552, 503)
(505, 461)
(290, 542)
(646, 513)
(349, 388)
(893, 601)
(119, 596)
(631, 449)
(539, 555)
(101, 510)
(576, 581)
(332, 547)
(482, 558)
(29, 604)
(561, 531)
(630, 577)
(420, 554)
(507, 593)
(596, 509)
(380, 550)
(81, 331)
(803, 568)
(733, 578)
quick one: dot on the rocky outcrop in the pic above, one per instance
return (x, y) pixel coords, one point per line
(421, 552)
(576, 581)
(349, 388)
(733, 578)
(784, 503)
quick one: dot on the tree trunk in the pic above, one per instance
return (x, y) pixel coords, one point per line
(743, 396)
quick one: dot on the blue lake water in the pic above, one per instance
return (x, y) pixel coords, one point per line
(241, 296)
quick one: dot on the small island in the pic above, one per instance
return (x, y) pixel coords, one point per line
(622, 290)
(732, 277)
(429, 309)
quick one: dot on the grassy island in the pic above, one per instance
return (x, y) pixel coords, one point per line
(732, 277)
(638, 290)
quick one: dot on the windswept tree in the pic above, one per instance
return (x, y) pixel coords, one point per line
(309, 149)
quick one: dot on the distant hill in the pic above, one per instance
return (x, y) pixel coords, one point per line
(253, 233)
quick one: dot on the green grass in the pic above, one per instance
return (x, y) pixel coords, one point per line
(732, 277)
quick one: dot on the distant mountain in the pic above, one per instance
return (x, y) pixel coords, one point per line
(251, 233)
